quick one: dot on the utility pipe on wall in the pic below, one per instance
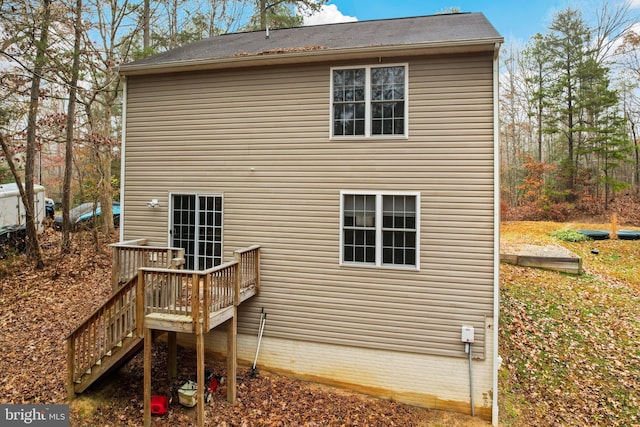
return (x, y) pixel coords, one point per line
(467, 349)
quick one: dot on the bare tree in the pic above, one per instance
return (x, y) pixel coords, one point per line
(26, 188)
(71, 114)
(613, 22)
(101, 102)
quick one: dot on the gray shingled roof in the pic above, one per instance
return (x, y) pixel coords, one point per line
(424, 30)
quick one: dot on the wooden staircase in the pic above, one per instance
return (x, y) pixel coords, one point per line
(104, 341)
(152, 295)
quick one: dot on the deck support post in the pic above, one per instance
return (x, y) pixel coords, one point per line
(172, 355)
(200, 369)
(232, 354)
(148, 342)
(115, 268)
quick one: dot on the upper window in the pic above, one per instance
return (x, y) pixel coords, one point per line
(380, 229)
(369, 101)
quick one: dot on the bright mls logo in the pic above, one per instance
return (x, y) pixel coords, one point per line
(34, 415)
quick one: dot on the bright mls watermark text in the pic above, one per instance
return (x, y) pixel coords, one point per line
(34, 415)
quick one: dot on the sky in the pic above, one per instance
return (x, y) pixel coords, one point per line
(515, 20)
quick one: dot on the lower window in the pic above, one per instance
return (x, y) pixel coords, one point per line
(380, 229)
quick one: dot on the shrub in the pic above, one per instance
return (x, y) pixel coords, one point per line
(570, 236)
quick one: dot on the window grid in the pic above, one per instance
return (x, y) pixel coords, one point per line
(359, 228)
(197, 228)
(369, 101)
(398, 230)
(349, 102)
(380, 229)
(387, 101)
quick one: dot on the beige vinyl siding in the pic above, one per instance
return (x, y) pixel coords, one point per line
(260, 137)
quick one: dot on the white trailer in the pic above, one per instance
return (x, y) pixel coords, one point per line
(12, 211)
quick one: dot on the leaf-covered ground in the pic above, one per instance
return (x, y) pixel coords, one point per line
(570, 348)
(39, 308)
(570, 344)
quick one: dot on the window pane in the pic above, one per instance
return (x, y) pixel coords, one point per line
(387, 127)
(376, 127)
(349, 202)
(371, 238)
(410, 240)
(399, 236)
(387, 239)
(387, 256)
(398, 127)
(348, 237)
(410, 257)
(399, 239)
(371, 255)
(348, 253)
(398, 256)
(349, 220)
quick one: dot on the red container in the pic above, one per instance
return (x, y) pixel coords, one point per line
(159, 405)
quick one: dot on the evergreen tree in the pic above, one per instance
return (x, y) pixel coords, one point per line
(606, 145)
(535, 60)
(568, 47)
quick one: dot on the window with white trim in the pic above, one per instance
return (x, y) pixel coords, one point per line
(380, 229)
(369, 101)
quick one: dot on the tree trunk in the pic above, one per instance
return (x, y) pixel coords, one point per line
(636, 170)
(540, 70)
(263, 14)
(34, 251)
(146, 25)
(71, 112)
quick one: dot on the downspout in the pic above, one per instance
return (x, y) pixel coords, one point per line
(122, 154)
(496, 230)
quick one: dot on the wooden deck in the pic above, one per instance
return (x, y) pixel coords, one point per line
(161, 297)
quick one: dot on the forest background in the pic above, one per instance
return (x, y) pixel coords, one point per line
(569, 99)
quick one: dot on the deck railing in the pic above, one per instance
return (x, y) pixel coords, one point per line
(157, 290)
(193, 293)
(103, 330)
(129, 256)
(249, 265)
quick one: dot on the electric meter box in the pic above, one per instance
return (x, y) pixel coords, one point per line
(467, 334)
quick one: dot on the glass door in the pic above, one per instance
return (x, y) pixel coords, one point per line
(196, 226)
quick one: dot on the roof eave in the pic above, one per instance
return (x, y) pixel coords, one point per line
(317, 55)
